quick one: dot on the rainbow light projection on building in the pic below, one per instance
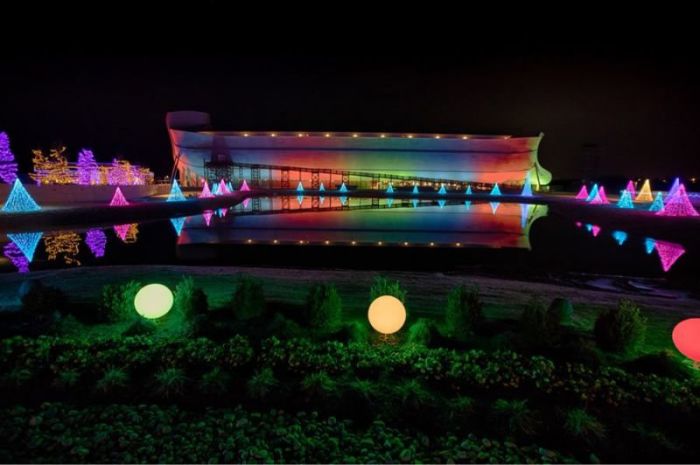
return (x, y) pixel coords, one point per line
(625, 200)
(678, 205)
(619, 236)
(527, 188)
(669, 253)
(96, 241)
(16, 257)
(644, 193)
(582, 194)
(363, 158)
(524, 214)
(118, 199)
(630, 188)
(658, 204)
(19, 200)
(26, 242)
(176, 194)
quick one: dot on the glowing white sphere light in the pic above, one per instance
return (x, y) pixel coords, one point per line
(153, 301)
(386, 314)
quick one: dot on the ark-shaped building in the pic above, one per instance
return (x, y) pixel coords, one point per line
(362, 160)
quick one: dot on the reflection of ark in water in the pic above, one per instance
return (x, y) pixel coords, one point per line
(359, 222)
(282, 159)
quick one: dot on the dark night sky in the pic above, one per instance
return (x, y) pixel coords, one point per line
(638, 100)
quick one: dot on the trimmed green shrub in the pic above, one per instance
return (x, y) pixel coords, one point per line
(383, 286)
(248, 298)
(140, 327)
(67, 380)
(356, 331)
(562, 310)
(318, 385)
(117, 302)
(581, 425)
(215, 382)
(664, 363)
(323, 306)
(261, 384)
(171, 382)
(620, 329)
(533, 322)
(515, 417)
(464, 312)
(17, 378)
(420, 332)
(190, 300)
(112, 381)
(40, 299)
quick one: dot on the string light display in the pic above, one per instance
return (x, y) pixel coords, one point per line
(118, 199)
(19, 200)
(644, 194)
(8, 165)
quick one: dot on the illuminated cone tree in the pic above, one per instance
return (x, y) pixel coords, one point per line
(8, 165)
(678, 205)
(644, 193)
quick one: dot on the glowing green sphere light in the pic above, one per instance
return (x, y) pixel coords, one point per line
(153, 301)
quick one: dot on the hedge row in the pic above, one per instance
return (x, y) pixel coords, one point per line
(60, 433)
(463, 370)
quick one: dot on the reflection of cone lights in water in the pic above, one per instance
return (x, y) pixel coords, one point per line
(669, 253)
(386, 314)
